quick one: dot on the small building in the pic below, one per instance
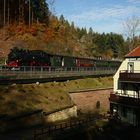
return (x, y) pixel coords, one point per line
(125, 99)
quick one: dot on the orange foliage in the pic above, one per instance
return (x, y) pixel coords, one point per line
(33, 30)
(49, 35)
(58, 34)
(21, 29)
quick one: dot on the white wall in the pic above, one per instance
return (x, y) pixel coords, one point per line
(124, 66)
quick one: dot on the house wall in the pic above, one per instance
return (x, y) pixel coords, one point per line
(124, 66)
(127, 113)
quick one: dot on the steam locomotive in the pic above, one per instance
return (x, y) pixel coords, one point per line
(40, 58)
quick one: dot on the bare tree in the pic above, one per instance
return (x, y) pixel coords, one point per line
(51, 4)
(132, 29)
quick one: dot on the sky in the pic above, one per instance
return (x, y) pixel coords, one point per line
(102, 15)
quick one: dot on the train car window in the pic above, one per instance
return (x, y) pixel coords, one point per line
(62, 61)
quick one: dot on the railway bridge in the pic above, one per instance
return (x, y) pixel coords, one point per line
(48, 74)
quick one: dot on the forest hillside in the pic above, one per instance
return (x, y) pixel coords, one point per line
(29, 24)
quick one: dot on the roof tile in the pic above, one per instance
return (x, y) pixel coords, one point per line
(134, 53)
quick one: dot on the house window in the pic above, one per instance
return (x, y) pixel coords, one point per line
(130, 67)
(124, 88)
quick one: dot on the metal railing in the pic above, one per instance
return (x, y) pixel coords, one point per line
(49, 72)
(129, 75)
(129, 71)
(126, 100)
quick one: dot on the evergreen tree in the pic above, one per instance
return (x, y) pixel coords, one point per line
(15, 11)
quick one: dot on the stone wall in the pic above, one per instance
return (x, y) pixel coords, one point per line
(61, 115)
(32, 119)
(86, 102)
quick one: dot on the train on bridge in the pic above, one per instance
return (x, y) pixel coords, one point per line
(38, 58)
(24, 66)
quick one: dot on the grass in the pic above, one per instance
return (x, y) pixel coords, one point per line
(88, 83)
(50, 96)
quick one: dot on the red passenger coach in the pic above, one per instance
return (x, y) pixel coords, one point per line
(83, 62)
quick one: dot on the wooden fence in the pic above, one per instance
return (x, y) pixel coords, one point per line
(39, 133)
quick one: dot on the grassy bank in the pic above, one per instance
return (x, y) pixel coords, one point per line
(51, 96)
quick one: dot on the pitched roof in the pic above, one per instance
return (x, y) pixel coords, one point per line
(134, 53)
